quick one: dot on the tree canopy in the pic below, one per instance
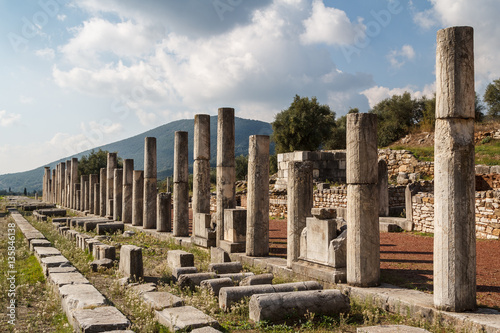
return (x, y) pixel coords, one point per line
(92, 163)
(492, 98)
(305, 125)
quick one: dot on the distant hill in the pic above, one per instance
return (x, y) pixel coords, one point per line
(134, 148)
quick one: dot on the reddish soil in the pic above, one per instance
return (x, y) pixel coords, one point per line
(406, 261)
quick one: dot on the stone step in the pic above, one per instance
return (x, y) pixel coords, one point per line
(46, 251)
(184, 318)
(100, 319)
(160, 300)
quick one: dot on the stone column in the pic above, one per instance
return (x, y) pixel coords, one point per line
(78, 198)
(93, 179)
(454, 175)
(102, 189)
(83, 180)
(226, 172)
(363, 238)
(111, 166)
(383, 188)
(57, 183)
(77, 191)
(164, 212)
(46, 188)
(53, 186)
(85, 193)
(201, 166)
(299, 204)
(128, 173)
(181, 185)
(67, 184)
(97, 201)
(149, 213)
(74, 180)
(257, 240)
(117, 194)
(137, 195)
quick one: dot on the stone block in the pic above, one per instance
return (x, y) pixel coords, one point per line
(104, 263)
(65, 269)
(100, 319)
(131, 262)
(201, 223)
(257, 280)
(80, 296)
(110, 228)
(206, 329)
(337, 251)
(53, 261)
(391, 329)
(236, 277)
(235, 225)
(43, 251)
(178, 271)
(218, 255)
(89, 244)
(143, 288)
(184, 318)
(104, 251)
(179, 258)
(389, 227)
(160, 300)
(193, 280)
(215, 285)
(61, 279)
(482, 169)
(319, 235)
(92, 225)
(324, 213)
(279, 306)
(225, 268)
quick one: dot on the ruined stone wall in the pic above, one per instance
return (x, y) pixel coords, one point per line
(396, 195)
(487, 213)
(404, 161)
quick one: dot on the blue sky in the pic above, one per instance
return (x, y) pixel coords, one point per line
(79, 74)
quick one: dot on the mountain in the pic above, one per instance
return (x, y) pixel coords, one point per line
(134, 148)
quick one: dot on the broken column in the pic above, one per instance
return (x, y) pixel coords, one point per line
(102, 189)
(202, 235)
(383, 188)
(149, 198)
(137, 195)
(299, 205)
(77, 191)
(117, 194)
(164, 212)
(454, 175)
(363, 238)
(73, 181)
(46, 188)
(110, 169)
(257, 241)
(226, 172)
(93, 179)
(128, 172)
(181, 185)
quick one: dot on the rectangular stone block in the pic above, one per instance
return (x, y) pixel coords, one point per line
(131, 262)
(38, 243)
(100, 319)
(110, 228)
(226, 267)
(159, 300)
(43, 252)
(235, 225)
(179, 258)
(61, 279)
(319, 235)
(184, 318)
(80, 296)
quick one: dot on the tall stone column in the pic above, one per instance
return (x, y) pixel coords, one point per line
(67, 184)
(97, 197)
(128, 174)
(93, 179)
(383, 188)
(46, 188)
(117, 194)
(454, 175)
(299, 204)
(149, 213)
(201, 166)
(111, 166)
(181, 185)
(57, 183)
(62, 184)
(226, 172)
(363, 238)
(102, 189)
(137, 197)
(53, 186)
(164, 212)
(84, 183)
(77, 191)
(74, 180)
(257, 240)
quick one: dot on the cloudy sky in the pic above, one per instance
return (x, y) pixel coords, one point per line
(76, 74)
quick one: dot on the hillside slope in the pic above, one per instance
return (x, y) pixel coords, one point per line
(133, 147)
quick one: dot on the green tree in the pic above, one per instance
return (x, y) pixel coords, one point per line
(91, 164)
(305, 125)
(337, 138)
(492, 98)
(428, 113)
(241, 167)
(478, 109)
(396, 116)
(25, 192)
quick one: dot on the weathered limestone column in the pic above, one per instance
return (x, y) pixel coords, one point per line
(137, 195)
(201, 166)
(97, 201)
(383, 188)
(57, 183)
(363, 238)
(85, 193)
(257, 240)
(226, 172)
(454, 175)
(102, 189)
(76, 190)
(299, 204)
(53, 187)
(111, 166)
(93, 179)
(181, 185)
(46, 188)
(128, 174)
(164, 212)
(83, 180)
(62, 183)
(67, 184)
(74, 180)
(149, 212)
(117, 194)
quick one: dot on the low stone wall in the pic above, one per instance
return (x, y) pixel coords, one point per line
(396, 195)
(487, 213)
(404, 161)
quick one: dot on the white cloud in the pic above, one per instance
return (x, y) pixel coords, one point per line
(25, 100)
(146, 118)
(61, 17)
(330, 26)
(378, 93)
(397, 58)
(46, 53)
(8, 119)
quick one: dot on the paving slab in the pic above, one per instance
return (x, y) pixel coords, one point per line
(45, 251)
(206, 329)
(184, 318)
(391, 329)
(61, 279)
(80, 296)
(54, 261)
(144, 288)
(100, 319)
(160, 300)
(38, 242)
(65, 269)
